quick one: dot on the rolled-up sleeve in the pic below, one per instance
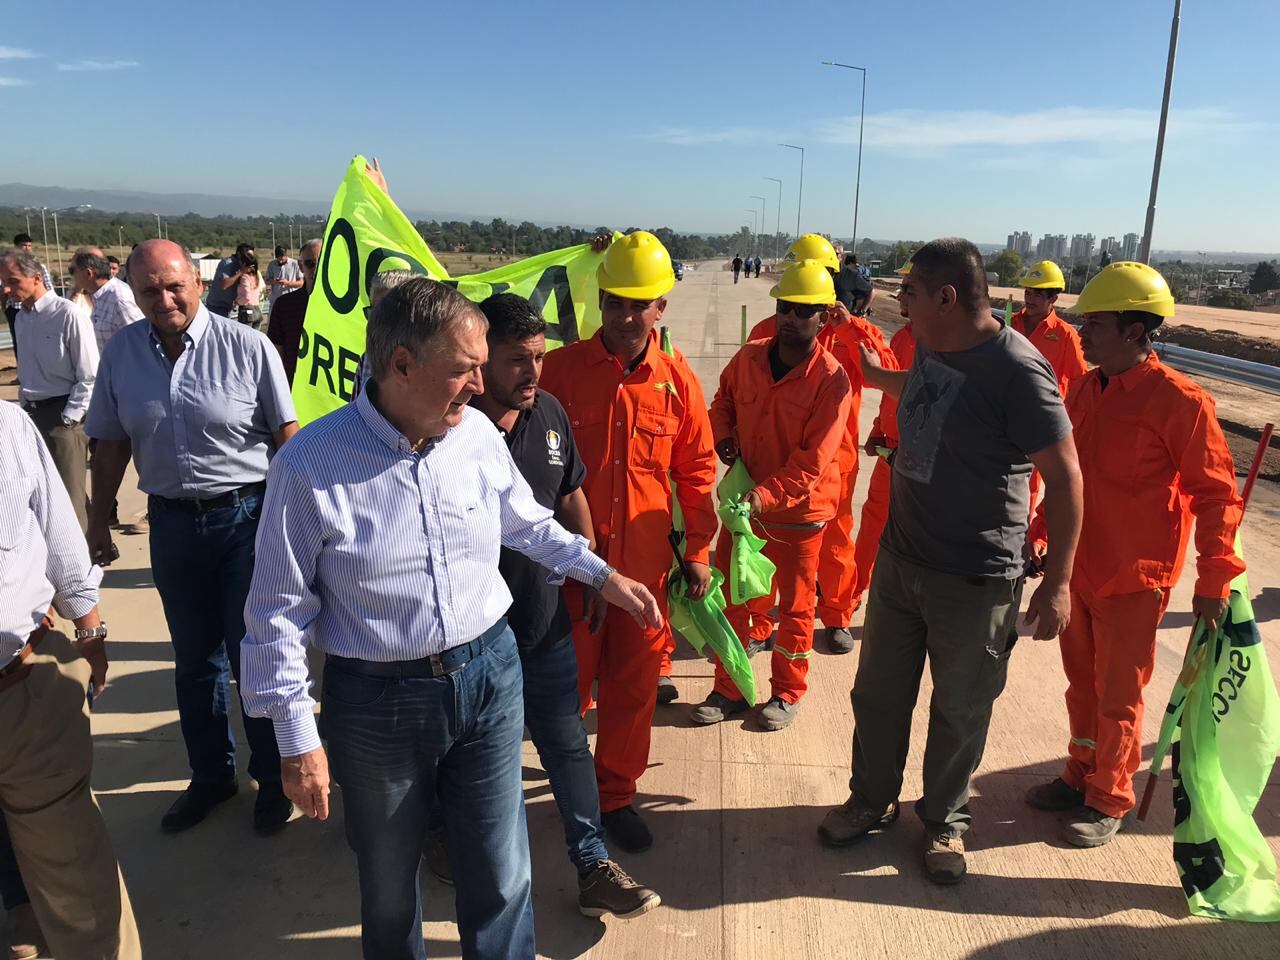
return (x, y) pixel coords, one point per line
(282, 605)
(75, 580)
(274, 393)
(531, 529)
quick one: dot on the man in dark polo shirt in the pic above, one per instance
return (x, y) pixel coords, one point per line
(540, 438)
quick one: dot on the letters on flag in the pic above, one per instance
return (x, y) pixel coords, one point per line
(366, 234)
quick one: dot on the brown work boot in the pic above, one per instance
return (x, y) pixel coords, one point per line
(607, 888)
(24, 933)
(1055, 795)
(853, 820)
(944, 858)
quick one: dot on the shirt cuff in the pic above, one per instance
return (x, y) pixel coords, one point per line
(297, 734)
(588, 567)
(76, 601)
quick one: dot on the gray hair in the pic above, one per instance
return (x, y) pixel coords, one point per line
(413, 315)
(25, 262)
(318, 243)
(386, 281)
(90, 258)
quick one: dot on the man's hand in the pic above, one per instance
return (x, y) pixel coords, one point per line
(870, 359)
(594, 609)
(306, 782)
(874, 441)
(102, 549)
(1037, 550)
(1209, 609)
(374, 172)
(95, 653)
(752, 500)
(727, 451)
(838, 313)
(1049, 610)
(634, 598)
(600, 242)
(697, 579)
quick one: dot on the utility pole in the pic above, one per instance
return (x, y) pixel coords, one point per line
(777, 218)
(755, 220)
(57, 243)
(764, 212)
(120, 241)
(1144, 251)
(862, 114)
(800, 194)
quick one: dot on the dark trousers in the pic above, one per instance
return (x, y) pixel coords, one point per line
(967, 627)
(69, 448)
(396, 742)
(13, 892)
(202, 564)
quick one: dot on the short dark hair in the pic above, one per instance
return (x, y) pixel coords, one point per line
(511, 317)
(20, 238)
(956, 262)
(243, 248)
(281, 251)
(112, 258)
(87, 258)
(1149, 321)
(411, 316)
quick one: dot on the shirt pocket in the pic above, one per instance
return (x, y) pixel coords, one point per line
(1138, 455)
(15, 511)
(224, 403)
(653, 439)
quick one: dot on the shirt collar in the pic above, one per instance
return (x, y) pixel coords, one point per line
(195, 331)
(381, 427)
(800, 370)
(1137, 373)
(97, 294)
(45, 302)
(599, 353)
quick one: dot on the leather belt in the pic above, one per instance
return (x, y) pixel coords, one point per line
(435, 665)
(17, 669)
(46, 402)
(231, 498)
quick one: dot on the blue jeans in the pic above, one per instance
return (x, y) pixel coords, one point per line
(397, 741)
(554, 719)
(202, 564)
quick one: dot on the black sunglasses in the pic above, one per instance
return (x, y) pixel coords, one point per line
(803, 311)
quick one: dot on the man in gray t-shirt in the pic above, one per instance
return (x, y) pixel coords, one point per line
(978, 409)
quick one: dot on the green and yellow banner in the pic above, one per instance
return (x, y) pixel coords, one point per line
(366, 234)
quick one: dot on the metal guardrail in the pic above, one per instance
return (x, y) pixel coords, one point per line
(1245, 373)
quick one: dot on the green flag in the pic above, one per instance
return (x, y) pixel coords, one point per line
(703, 624)
(1224, 732)
(750, 571)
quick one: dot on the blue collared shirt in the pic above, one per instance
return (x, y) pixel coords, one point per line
(43, 557)
(202, 425)
(369, 550)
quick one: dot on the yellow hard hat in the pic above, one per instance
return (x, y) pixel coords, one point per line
(904, 270)
(1126, 285)
(805, 282)
(1045, 275)
(813, 246)
(637, 267)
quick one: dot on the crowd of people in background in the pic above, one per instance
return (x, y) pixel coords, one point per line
(481, 541)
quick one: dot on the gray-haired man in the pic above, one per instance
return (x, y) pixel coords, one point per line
(113, 304)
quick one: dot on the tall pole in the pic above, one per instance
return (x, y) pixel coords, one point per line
(777, 217)
(120, 241)
(159, 236)
(273, 238)
(44, 229)
(764, 213)
(862, 116)
(755, 225)
(57, 244)
(1144, 251)
(800, 194)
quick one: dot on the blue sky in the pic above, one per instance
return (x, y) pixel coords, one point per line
(981, 119)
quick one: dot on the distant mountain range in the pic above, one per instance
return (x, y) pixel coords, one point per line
(214, 205)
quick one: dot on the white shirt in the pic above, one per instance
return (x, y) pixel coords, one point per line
(113, 309)
(43, 556)
(57, 354)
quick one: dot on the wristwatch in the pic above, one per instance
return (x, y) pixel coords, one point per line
(97, 633)
(602, 576)
(68, 422)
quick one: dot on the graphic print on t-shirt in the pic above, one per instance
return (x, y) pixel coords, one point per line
(929, 394)
(553, 449)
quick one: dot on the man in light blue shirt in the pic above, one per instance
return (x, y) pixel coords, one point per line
(379, 546)
(200, 403)
(221, 298)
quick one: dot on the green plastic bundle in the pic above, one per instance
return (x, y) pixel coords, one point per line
(750, 571)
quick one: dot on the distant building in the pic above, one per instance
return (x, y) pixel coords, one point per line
(1020, 243)
(1109, 245)
(1082, 246)
(1129, 251)
(1052, 247)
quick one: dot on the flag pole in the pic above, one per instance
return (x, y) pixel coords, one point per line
(1254, 469)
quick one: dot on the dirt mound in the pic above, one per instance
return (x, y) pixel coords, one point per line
(1223, 342)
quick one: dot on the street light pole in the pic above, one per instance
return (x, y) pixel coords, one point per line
(764, 213)
(273, 237)
(57, 243)
(1144, 251)
(862, 115)
(120, 241)
(800, 194)
(777, 217)
(755, 226)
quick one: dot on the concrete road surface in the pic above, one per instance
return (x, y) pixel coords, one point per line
(734, 809)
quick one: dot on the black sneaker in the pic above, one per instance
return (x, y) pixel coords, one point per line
(778, 714)
(436, 854)
(667, 692)
(194, 804)
(608, 889)
(715, 708)
(1055, 795)
(627, 830)
(839, 640)
(1091, 828)
(853, 820)
(271, 810)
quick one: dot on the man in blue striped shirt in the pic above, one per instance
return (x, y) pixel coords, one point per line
(379, 546)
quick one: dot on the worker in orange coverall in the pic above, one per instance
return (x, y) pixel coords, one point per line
(1153, 457)
(783, 407)
(1039, 322)
(884, 433)
(841, 334)
(640, 422)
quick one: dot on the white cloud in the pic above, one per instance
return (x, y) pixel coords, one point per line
(12, 82)
(914, 130)
(93, 65)
(15, 53)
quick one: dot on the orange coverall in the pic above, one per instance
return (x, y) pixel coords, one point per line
(875, 511)
(632, 429)
(837, 571)
(789, 436)
(1058, 341)
(1153, 457)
